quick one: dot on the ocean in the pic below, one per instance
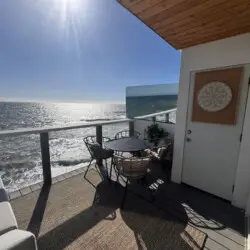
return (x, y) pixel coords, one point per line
(20, 156)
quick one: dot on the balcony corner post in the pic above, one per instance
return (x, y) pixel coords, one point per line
(44, 142)
(99, 140)
(131, 128)
(167, 118)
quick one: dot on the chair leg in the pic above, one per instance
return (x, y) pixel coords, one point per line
(87, 168)
(99, 171)
(107, 171)
(125, 194)
(111, 166)
(107, 167)
(117, 178)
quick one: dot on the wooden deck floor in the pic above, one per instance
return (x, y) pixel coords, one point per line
(223, 224)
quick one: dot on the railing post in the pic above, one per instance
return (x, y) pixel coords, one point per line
(99, 140)
(131, 128)
(44, 141)
(167, 117)
(154, 119)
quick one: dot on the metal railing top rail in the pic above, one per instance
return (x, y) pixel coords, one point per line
(46, 129)
(24, 131)
(155, 114)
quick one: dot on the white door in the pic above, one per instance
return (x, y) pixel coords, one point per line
(211, 150)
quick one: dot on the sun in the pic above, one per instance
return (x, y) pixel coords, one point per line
(66, 18)
(72, 6)
(72, 9)
(64, 11)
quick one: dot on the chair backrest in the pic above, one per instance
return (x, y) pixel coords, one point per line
(133, 167)
(93, 139)
(94, 148)
(125, 133)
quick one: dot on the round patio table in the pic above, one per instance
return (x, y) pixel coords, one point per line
(128, 144)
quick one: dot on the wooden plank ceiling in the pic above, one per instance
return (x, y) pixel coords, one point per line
(185, 23)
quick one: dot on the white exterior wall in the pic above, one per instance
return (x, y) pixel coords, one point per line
(217, 54)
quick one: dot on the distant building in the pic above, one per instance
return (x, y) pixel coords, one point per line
(142, 100)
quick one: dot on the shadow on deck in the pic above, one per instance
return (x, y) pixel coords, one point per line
(223, 223)
(74, 214)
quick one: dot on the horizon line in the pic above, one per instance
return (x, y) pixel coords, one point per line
(17, 100)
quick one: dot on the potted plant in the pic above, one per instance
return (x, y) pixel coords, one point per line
(155, 133)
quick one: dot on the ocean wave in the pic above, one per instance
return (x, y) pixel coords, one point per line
(96, 120)
(121, 112)
(17, 165)
(67, 163)
(4, 126)
(103, 119)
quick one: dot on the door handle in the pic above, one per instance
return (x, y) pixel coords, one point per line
(188, 139)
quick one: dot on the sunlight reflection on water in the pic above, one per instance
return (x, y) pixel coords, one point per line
(20, 157)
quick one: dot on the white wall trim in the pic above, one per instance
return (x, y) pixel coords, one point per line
(180, 126)
(242, 180)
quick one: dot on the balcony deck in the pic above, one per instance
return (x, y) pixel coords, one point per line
(78, 214)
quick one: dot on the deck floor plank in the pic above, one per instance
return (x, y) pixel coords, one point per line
(223, 223)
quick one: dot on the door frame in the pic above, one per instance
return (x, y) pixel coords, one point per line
(191, 75)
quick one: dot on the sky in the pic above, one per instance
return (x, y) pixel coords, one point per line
(78, 50)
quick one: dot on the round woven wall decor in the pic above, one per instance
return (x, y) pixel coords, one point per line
(214, 96)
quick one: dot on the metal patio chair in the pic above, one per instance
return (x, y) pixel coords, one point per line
(125, 133)
(133, 169)
(97, 152)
